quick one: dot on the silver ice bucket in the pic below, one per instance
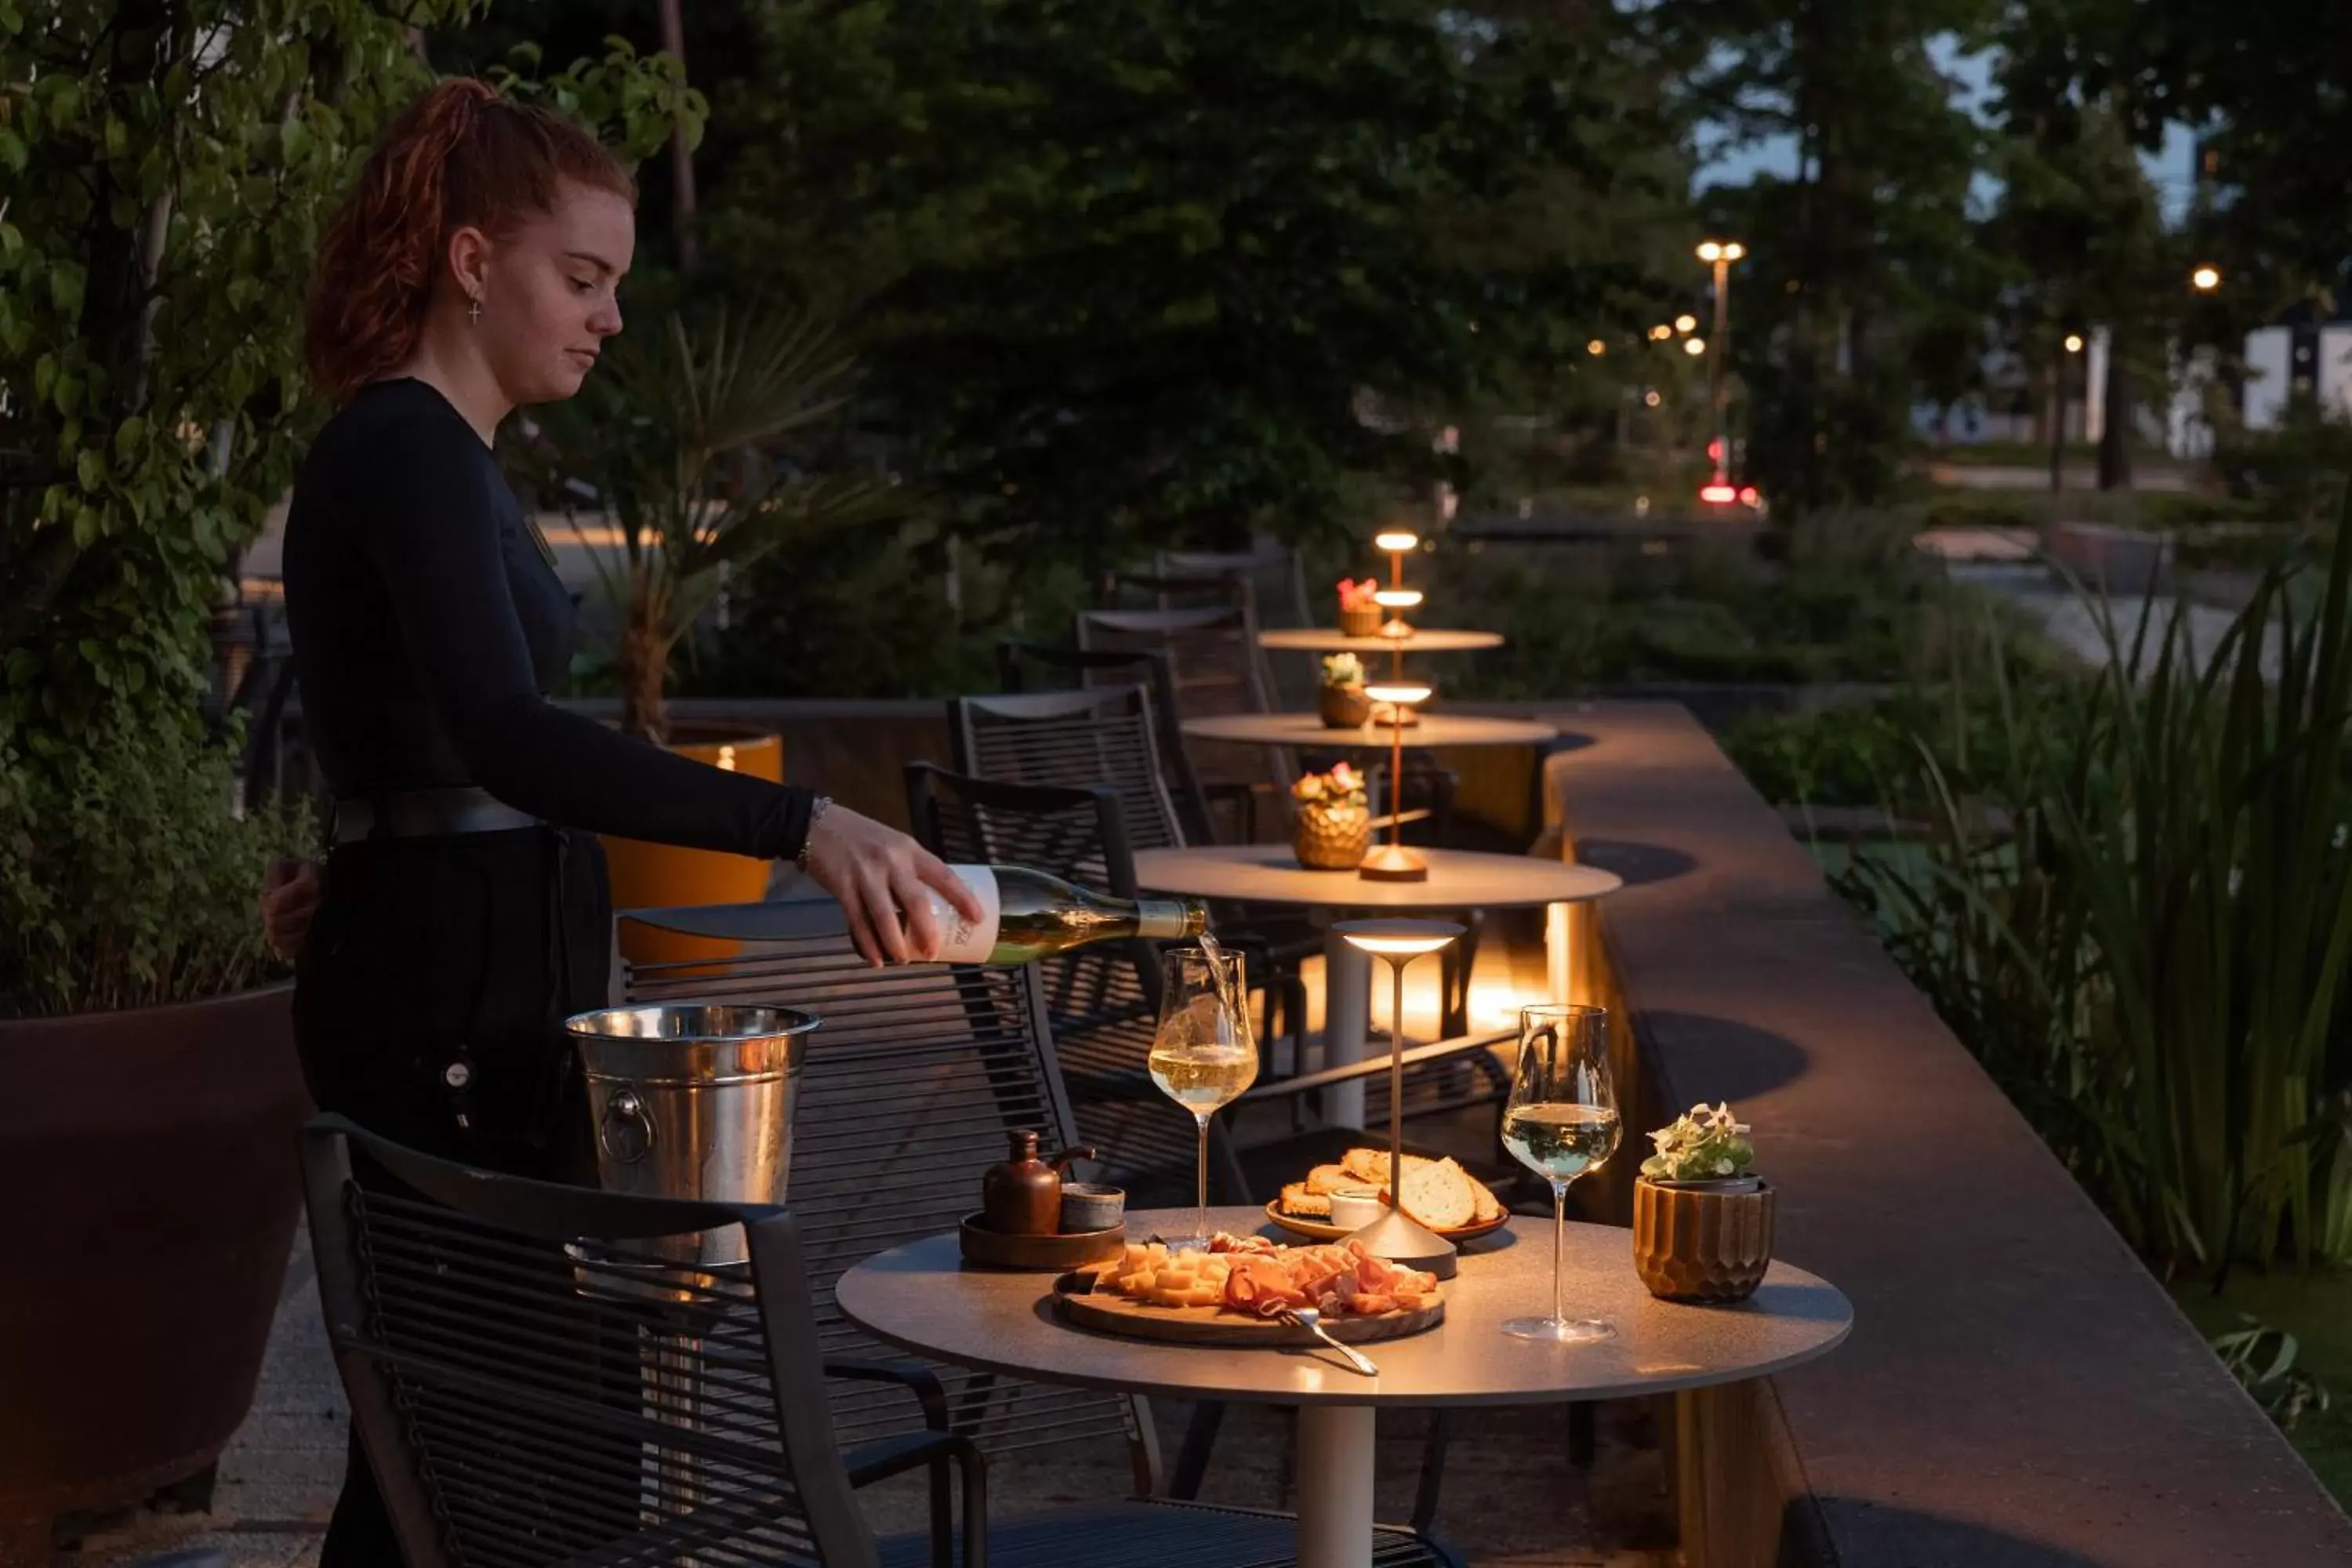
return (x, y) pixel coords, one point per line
(693, 1100)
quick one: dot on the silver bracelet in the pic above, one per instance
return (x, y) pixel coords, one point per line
(817, 808)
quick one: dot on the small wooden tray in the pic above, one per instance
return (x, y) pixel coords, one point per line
(1074, 1300)
(1324, 1231)
(1054, 1254)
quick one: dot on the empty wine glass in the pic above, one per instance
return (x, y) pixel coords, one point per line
(1561, 1122)
(1204, 1055)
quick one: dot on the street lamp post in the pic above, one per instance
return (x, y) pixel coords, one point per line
(1719, 255)
(2073, 344)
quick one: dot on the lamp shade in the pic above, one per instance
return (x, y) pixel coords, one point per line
(1397, 598)
(1395, 938)
(1396, 539)
(1403, 694)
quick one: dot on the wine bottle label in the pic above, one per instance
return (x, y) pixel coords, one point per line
(1161, 920)
(969, 942)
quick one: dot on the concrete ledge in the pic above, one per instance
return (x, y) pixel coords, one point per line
(2018, 1390)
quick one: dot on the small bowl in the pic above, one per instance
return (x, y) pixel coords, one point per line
(1355, 1210)
(1088, 1207)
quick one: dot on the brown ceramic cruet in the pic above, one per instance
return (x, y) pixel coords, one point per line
(1023, 1197)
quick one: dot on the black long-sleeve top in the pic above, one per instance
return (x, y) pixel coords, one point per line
(428, 628)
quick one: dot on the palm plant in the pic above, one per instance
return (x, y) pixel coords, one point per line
(679, 444)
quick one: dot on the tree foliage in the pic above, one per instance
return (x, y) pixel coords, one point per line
(1171, 268)
(1849, 255)
(166, 168)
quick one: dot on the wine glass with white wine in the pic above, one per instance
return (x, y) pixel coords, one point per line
(1204, 1055)
(1561, 1122)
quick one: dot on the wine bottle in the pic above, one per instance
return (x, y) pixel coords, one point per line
(1030, 914)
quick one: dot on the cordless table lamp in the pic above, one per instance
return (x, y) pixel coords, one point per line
(1396, 1234)
(1393, 862)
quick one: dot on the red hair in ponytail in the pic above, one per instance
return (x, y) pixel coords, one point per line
(461, 155)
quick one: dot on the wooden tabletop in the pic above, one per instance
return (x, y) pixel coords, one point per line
(922, 1298)
(1458, 879)
(1331, 639)
(1308, 729)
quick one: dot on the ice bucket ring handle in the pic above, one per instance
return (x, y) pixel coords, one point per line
(625, 1130)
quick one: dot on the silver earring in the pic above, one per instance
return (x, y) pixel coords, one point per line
(474, 310)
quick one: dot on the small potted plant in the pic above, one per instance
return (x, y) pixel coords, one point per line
(1360, 614)
(1702, 1217)
(1343, 702)
(1332, 830)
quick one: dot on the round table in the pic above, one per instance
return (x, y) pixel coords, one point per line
(921, 1299)
(1331, 639)
(1308, 729)
(1458, 880)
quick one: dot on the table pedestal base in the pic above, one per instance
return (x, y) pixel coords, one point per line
(1347, 1017)
(1335, 1486)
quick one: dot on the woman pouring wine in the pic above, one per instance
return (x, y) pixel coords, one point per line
(463, 912)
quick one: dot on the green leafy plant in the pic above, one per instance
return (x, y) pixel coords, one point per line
(165, 173)
(2262, 1359)
(2146, 941)
(681, 443)
(1704, 1143)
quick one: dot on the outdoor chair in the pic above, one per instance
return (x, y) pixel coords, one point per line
(1102, 1002)
(1277, 586)
(536, 1386)
(1109, 735)
(1213, 651)
(1018, 663)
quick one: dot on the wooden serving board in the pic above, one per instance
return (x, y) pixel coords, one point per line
(1324, 1231)
(1073, 1299)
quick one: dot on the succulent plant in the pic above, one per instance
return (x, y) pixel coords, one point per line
(1704, 1144)
(1343, 669)
(1343, 785)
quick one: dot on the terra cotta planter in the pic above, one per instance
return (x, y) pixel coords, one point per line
(1702, 1241)
(148, 1163)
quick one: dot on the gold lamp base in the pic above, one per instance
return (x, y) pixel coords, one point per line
(1393, 863)
(1401, 1238)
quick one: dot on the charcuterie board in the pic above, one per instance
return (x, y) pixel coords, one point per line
(1075, 1299)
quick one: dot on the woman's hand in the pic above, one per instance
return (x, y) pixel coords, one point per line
(290, 891)
(875, 872)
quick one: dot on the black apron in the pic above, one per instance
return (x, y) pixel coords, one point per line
(430, 995)
(429, 1002)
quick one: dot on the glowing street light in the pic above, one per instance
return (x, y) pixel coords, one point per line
(1720, 254)
(1650, 399)
(2205, 278)
(1695, 347)
(1685, 324)
(1596, 348)
(2073, 343)
(1661, 333)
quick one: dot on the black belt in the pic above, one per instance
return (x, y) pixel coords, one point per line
(426, 813)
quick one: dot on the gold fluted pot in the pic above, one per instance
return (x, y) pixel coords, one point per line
(1345, 707)
(1699, 1243)
(1327, 837)
(1361, 621)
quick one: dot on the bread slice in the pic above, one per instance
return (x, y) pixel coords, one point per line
(1438, 1194)
(1325, 1179)
(1490, 1208)
(1299, 1199)
(1369, 1165)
